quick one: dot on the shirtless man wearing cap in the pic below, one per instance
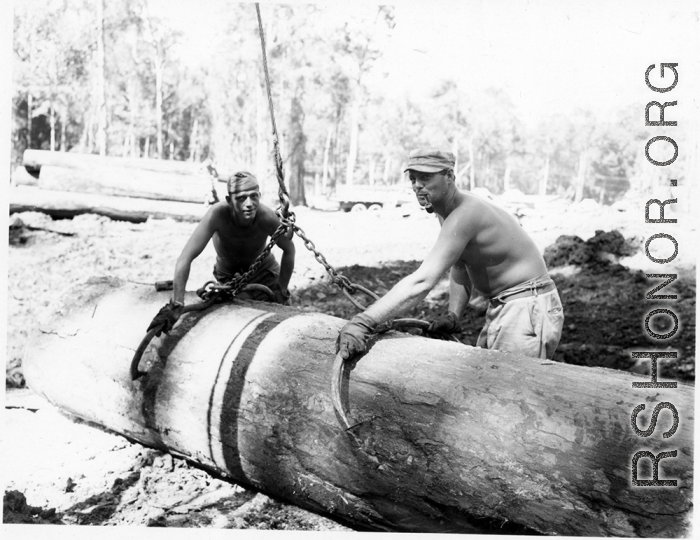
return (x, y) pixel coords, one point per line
(483, 247)
(240, 228)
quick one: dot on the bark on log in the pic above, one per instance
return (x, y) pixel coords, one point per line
(449, 438)
(126, 182)
(36, 159)
(63, 205)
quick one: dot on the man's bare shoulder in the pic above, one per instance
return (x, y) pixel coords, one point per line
(267, 218)
(471, 200)
(218, 214)
(470, 209)
(479, 207)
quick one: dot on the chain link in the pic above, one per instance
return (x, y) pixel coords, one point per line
(283, 212)
(347, 286)
(236, 285)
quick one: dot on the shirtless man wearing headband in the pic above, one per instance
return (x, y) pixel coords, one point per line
(240, 228)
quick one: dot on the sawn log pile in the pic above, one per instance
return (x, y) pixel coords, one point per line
(64, 184)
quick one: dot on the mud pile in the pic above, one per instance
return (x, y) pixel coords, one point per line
(16, 510)
(597, 253)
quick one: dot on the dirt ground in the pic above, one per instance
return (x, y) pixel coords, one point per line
(61, 471)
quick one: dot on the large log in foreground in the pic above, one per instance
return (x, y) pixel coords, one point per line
(66, 205)
(449, 438)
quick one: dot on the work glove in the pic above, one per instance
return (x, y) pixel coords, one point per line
(281, 297)
(166, 317)
(353, 337)
(445, 324)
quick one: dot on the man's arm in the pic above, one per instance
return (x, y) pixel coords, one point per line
(460, 289)
(271, 223)
(412, 289)
(287, 262)
(407, 293)
(193, 248)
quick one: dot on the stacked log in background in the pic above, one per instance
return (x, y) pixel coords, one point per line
(65, 184)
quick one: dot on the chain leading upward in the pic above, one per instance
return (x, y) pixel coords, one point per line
(282, 191)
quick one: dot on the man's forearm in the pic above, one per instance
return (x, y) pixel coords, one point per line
(182, 272)
(459, 298)
(286, 269)
(406, 294)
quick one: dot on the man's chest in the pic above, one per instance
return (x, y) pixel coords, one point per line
(250, 239)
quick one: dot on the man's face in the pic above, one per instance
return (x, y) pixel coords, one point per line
(428, 187)
(244, 200)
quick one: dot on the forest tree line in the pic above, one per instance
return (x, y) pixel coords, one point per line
(107, 78)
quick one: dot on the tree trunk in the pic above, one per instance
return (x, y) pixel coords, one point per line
(125, 144)
(337, 148)
(387, 168)
(447, 438)
(158, 69)
(64, 122)
(506, 176)
(132, 97)
(64, 204)
(581, 177)
(101, 89)
(297, 153)
(354, 135)
(472, 183)
(545, 178)
(461, 174)
(52, 127)
(129, 182)
(193, 141)
(29, 118)
(326, 152)
(455, 151)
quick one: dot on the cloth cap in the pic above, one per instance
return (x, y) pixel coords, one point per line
(430, 160)
(241, 181)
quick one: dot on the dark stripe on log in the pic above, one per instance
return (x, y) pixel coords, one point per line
(228, 422)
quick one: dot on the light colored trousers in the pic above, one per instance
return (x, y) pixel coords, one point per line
(530, 326)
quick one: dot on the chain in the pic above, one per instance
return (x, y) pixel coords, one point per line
(285, 215)
(347, 286)
(279, 169)
(236, 285)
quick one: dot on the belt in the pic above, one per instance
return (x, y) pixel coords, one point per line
(526, 291)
